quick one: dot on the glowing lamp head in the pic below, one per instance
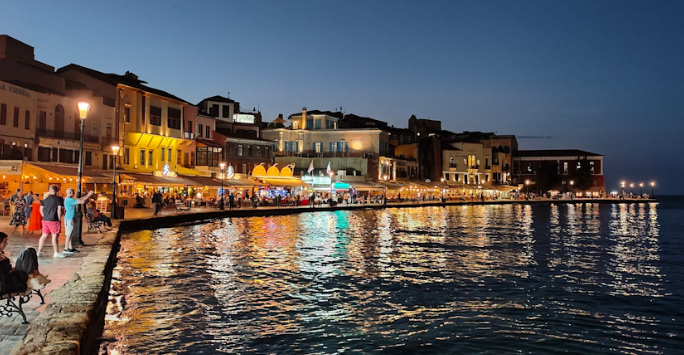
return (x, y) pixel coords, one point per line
(641, 184)
(222, 165)
(115, 149)
(527, 182)
(652, 183)
(631, 185)
(572, 182)
(622, 183)
(83, 108)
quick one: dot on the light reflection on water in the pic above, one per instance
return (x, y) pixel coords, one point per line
(575, 278)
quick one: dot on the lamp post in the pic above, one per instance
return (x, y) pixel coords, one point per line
(631, 186)
(115, 150)
(527, 186)
(652, 185)
(223, 175)
(83, 108)
(641, 188)
(622, 188)
(442, 180)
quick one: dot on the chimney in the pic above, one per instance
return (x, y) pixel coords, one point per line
(304, 118)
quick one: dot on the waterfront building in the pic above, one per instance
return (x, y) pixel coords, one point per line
(316, 136)
(499, 155)
(528, 168)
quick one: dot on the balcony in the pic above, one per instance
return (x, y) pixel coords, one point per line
(453, 165)
(66, 135)
(474, 167)
(188, 135)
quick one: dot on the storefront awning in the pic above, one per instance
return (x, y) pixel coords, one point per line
(366, 186)
(159, 180)
(292, 182)
(242, 183)
(203, 181)
(68, 171)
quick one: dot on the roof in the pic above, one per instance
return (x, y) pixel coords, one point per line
(233, 135)
(218, 98)
(114, 79)
(556, 153)
(318, 112)
(209, 142)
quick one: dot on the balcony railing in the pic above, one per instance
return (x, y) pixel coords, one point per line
(474, 167)
(453, 165)
(66, 135)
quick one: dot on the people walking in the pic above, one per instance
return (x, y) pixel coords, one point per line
(19, 215)
(231, 200)
(70, 219)
(156, 202)
(52, 209)
(35, 219)
(29, 206)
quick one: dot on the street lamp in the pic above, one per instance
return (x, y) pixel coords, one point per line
(331, 188)
(83, 108)
(527, 184)
(223, 175)
(631, 186)
(442, 180)
(115, 150)
(652, 185)
(641, 188)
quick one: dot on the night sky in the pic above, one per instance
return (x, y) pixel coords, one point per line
(601, 76)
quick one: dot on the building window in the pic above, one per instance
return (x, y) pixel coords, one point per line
(244, 168)
(169, 157)
(104, 161)
(179, 157)
(318, 147)
(174, 118)
(342, 147)
(258, 151)
(155, 115)
(163, 154)
(142, 157)
(332, 147)
(249, 151)
(150, 157)
(16, 117)
(591, 168)
(213, 111)
(127, 114)
(201, 153)
(126, 156)
(27, 120)
(529, 167)
(44, 154)
(108, 131)
(292, 146)
(88, 158)
(226, 111)
(190, 124)
(239, 150)
(309, 123)
(317, 125)
(208, 131)
(565, 168)
(3, 114)
(42, 120)
(200, 130)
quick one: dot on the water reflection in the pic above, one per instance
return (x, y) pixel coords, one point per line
(583, 278)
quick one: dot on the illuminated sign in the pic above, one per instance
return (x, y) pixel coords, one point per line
(230, 172)
(166, 170)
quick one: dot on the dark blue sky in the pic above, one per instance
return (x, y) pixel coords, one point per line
(602, 76)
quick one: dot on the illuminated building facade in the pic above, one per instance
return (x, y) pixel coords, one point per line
(315, 136)
(527, 163)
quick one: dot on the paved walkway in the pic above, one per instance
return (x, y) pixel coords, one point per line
(58, 270)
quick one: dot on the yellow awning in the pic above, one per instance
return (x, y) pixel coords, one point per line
(291, 182)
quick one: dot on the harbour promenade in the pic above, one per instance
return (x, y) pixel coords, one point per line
(70, 320)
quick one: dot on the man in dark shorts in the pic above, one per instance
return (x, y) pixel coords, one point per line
(52, 209)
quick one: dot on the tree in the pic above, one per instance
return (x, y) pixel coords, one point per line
(581, 174)
(547, 176)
